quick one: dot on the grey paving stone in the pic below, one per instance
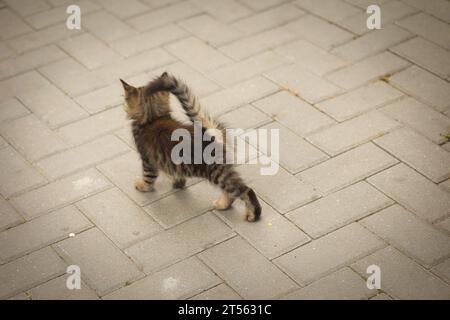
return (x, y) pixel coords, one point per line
(12, 25)
(411, 235)
(106, 26)
(123, 10)
(413, 191)
(224, 11)
(443, 270)
(118, 217)
(245, 117)
(17, 175)
(437, 8)
(56, 289)
(179, 281)
(402, 278)
(344, 284)
(338, 209)
(179, 242)
(333, 10)
(22, 83)
(273, 235)
(59, 193)
(220, 292)
(11, 109)
(41, 232)
(347, 168)
(329, 253)
(103, 266)
(8, 216)
(243, 268)
(29, 271)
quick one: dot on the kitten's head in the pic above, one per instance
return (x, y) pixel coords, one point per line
(142, 107)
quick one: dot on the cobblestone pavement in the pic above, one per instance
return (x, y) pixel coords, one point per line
(364, 176)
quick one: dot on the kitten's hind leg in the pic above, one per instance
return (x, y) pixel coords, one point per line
(223, 202)
(147, 182)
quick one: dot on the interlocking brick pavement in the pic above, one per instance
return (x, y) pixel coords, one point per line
(364, 173)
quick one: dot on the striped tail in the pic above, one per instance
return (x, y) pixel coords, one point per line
(187, 99)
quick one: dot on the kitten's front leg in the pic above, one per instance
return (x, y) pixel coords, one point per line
(147, 182)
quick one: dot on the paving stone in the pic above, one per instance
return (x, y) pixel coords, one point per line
(123, 170)
(221, 292)
(11, 109)
(344, 284)
(11, 25)
(238, 95)
(418, 152)
(443, 270)
(211, 31)
(59, 193)
(8, 216)
(245, 117)
(56, 289)
(41, 232)
(310, 57)
(303, 83)
(282, 190)
(424, 86)
(17, 175)
(30, 60)
(445, 185)
(329, 253)
(180, 242)
(273, 235)
(118, 217)
(183, 205)
(123, 10)
(198, 54)
(223, 10)
(425, 54)
(347, 168)
(410, 234)
(338, 209)
(29, 271)
(52, 106)
(104, 267)
(419, 117)
(249, 46)
(20, 84)
(107, 27)
(171, 13)
(27, 7)
(356, 102)
(179, 281)
(332, 10)
(81, 157)
(226, 259)
(247, 68)
(402, 278)
(138, 43)
(201, 85)
(268, 19)
(353, 132)
(413, 191)
(92, 53)
(94, 126)
(366, 70)
(318, 31)
(391, 12)
(71, 77)
(372, 43)
(43, 37)
(428, 28)
(5, 51)
(437, 8)
(56, 15)
(258, 5)
(31, 137)
(101, 99)
(293, 113)
(296, 154)
(381, 296)
(133, 66)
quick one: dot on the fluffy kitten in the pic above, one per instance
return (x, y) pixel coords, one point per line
(149, 109)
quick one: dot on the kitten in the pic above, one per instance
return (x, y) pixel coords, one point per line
(149, 109)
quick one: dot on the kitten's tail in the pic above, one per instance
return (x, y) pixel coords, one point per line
(187, 99)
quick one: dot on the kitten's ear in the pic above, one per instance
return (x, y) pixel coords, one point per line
(127, 87)
(164, 75)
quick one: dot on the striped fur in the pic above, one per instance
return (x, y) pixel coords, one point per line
(152, 129)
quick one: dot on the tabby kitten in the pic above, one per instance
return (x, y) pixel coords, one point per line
(149, 109)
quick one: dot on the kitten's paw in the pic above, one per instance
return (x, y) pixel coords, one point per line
(142, 186)
(179, 184)
(223, 203)
(250, 216)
